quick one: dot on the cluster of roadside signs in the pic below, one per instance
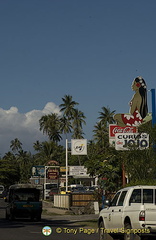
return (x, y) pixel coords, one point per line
(53, 174)
(39, 171)
(78, 147)
(125, 137)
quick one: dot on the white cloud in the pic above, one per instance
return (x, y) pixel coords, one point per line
(24, 126)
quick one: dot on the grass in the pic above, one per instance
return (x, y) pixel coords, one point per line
(45, 212)
(89, 223)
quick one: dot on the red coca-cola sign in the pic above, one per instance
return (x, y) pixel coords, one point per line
(113, 129)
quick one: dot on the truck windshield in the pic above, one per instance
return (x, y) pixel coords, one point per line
(26, 195)
(1, 188)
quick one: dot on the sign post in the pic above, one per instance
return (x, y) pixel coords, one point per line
(78, 147)
(153, 107)
(66, 165)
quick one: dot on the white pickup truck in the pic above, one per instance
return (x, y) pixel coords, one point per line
(130, 215)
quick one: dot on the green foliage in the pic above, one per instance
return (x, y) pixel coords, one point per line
(50, 125)
(48, 151)
(102, 160)
(9, 170)
(106, 165)
(140, 164)
(25, 163)
(147, 182)
(72, 120)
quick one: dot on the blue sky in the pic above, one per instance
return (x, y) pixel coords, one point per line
(90, 49)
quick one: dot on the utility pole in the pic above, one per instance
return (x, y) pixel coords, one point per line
(153, 108)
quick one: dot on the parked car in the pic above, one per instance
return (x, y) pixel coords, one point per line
(90, 189)
(52, 192)
(78, 190)
(62, 190)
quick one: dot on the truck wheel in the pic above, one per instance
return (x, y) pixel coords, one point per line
(6, 215)
(38, 218)
(102, 234)
(32, 217)
(128, 235)
(12, 217)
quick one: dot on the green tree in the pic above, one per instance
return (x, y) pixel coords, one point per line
(16, 145)
(65, 125)
(37, 146)
(49, 150)
(9, 170)
(25, 162)
(140, 165)
(50, 125)
(106, 116)
(68, 106)
(101, 129)
(106, 165)
(101, 135)
(78, 121)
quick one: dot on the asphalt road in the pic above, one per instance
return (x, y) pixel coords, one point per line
(62, 228)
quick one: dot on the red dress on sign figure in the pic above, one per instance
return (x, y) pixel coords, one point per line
(138, 105)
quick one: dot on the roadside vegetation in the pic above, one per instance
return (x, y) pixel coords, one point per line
(102, 160)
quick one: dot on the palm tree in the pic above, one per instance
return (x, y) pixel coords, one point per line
(9, 170)
(67, 107)
(49, 151)
(37, 146)
(65, 125)
(44, 123)
(101, 134)
(106, 116)
(50, 124)
(78, 120)
(16, 145)
(24, 160)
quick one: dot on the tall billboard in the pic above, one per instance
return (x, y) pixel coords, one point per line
(124, 141)
(114, 129)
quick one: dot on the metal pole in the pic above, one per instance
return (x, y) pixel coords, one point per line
(45, 176)
(66, 165)
(153, 108)
(123, 175)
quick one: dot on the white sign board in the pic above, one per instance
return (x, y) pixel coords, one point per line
(79, 146)
(123, 141)
(77, 170)
(114, 129)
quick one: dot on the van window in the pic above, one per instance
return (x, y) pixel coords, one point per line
(115, 199)
(147, 195)
(136, 196)
(122, 198)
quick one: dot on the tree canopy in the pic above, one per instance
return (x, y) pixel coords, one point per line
(102, 160)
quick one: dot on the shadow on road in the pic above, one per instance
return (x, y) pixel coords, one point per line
(20, 223)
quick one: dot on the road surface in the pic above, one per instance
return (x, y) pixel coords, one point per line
(62, 229)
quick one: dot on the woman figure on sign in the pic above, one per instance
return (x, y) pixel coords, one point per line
(138, 105)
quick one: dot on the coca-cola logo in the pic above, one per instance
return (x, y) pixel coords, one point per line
(123, 130)
(116, 129)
